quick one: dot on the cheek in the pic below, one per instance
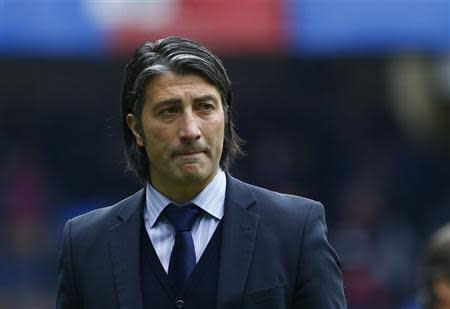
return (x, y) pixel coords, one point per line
(156, 133)
(156, 140)
(217, 130)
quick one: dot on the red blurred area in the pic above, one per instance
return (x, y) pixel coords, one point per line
(227, 27)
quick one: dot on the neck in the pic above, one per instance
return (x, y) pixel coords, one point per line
(185, 195)
(182, 192)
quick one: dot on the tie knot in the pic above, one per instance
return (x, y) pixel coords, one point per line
(181, 217)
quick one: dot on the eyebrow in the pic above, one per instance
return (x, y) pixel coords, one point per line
(171, 101)
(175, 101)
(206, 97)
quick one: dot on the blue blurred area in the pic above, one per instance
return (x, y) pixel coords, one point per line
(68, 28)
(48, 27)
(386, 26)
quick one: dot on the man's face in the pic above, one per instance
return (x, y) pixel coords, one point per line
(183, 130)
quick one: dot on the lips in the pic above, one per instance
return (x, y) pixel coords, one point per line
(190, 152)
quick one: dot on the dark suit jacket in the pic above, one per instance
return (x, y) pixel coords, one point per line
(274, 254)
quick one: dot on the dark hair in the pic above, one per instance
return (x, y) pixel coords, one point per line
(179, 55)
(435, 265)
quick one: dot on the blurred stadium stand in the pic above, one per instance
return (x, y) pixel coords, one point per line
(246, 27)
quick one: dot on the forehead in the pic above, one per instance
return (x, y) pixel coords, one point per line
(171, 84)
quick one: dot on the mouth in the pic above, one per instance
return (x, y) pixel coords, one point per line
(189, 153)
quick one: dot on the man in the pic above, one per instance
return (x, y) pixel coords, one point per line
(434, 291)
(194, 237)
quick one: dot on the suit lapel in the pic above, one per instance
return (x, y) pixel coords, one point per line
(124, 247)
(238, 241)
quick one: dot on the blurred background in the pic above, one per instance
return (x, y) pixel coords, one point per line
(343, 101)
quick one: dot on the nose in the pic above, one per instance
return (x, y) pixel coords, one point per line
(189, 128)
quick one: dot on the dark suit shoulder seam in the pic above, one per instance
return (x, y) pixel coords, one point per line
(70, 262)
(302, 238)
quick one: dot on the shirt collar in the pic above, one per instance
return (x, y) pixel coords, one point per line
(211, 199)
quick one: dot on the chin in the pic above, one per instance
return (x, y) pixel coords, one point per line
(194, 173)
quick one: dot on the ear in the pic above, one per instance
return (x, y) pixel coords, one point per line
(132, 124)
(442, 290)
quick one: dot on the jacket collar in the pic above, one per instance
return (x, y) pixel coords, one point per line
(240, 227)
(124, 248)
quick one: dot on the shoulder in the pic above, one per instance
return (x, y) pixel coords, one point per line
(97, 221)
(292, 211)
(288, 204)
(280, 209)
(278, 198)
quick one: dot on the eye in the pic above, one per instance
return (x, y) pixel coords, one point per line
(206, 107)
(168, 111)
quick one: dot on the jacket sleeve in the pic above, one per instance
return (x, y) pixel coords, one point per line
(67, 296)
(319, 279)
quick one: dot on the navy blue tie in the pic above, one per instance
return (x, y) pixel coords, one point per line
(182, 259)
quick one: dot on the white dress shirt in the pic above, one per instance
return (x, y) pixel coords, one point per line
(162, 233)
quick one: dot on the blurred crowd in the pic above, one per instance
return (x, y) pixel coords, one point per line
(325, 129)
